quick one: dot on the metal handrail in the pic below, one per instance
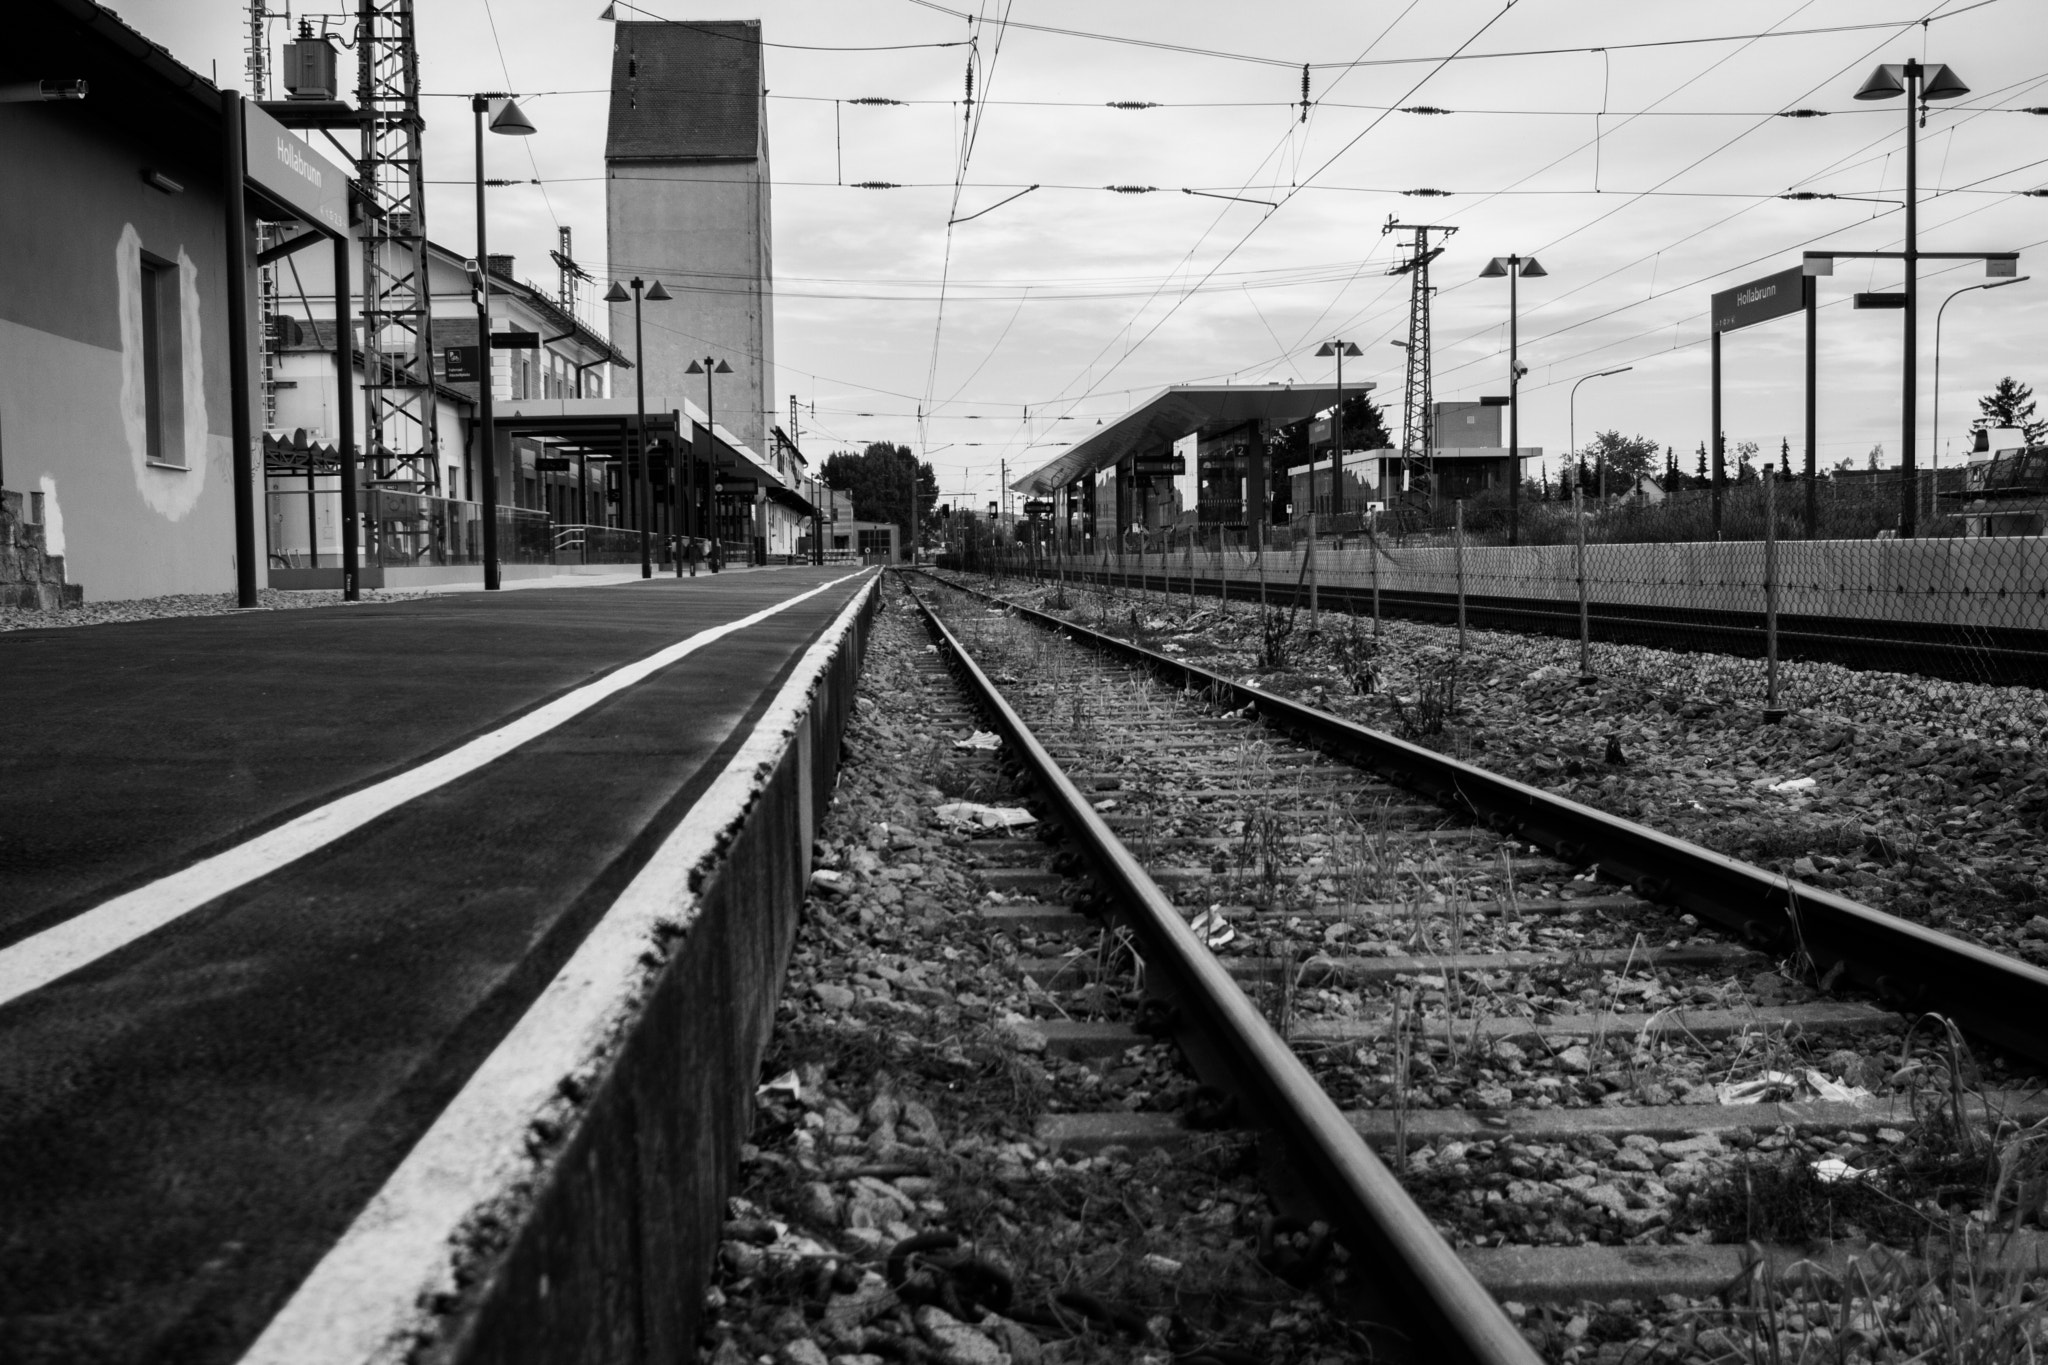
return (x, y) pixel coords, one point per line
(1369, 1207)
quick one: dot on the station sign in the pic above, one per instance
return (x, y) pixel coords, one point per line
(1773, 296)
(1037, 508)
(1156, 466)
(288, 169)
(515, 341)
(731, 486)
(551, 464)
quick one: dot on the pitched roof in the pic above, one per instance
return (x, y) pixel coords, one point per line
(685, 91)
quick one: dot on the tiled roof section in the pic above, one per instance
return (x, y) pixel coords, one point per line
(685, 91)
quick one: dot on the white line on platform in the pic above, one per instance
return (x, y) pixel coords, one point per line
(370, 1298)
(64, 948)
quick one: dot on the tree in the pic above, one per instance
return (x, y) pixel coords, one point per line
(1627, 458)
(1876, 456)
(2011, 404)
(1745, 454)
(887, 483)
(1699, 477)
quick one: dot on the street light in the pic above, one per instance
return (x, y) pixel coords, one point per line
(707, 369)
(1339, 349)
(1572, 416)
(512, 122)
(1988, 284)
(1919, 84)
(644, 504)
(1514, 267)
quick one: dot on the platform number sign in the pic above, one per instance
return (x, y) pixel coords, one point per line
(1037, 508)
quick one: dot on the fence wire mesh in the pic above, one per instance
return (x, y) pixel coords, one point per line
(1958, 601)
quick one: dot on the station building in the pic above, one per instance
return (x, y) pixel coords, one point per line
(115, 426)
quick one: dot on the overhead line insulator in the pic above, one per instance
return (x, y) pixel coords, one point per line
(1423, 109)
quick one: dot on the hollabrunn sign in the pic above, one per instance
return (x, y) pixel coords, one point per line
(1773, 296)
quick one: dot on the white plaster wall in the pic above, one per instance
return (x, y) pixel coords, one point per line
(127, 533)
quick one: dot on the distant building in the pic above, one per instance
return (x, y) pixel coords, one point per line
(1468, 455)
(687, 203)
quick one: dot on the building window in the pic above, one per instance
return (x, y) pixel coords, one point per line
(163, 369)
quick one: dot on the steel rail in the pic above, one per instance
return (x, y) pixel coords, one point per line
(2001, 656)
(1910, 967)
(1376, 1218)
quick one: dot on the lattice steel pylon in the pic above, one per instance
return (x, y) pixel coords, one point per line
(400, 437)
(1417, 439)
(256, 65)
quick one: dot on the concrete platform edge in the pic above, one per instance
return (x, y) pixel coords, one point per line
(603, 1150)
(611, 1262)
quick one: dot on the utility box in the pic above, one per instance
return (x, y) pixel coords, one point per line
(309, 66)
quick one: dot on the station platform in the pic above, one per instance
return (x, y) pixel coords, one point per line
(274, 886)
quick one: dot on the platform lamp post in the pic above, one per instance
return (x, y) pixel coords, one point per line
(706, 367)
(1514, 267)
(1339, 349)
(1935, 423)
(511, 121)
(1572, 417)
(1920, 83)
(644, 503)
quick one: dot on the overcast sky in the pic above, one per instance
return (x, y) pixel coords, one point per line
(1075, 302)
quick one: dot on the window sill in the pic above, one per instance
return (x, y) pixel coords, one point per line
(166, 464)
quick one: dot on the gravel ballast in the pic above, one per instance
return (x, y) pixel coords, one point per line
(895, 1203)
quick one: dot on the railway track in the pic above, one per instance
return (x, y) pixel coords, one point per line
(1539, 1014)
(1999, 657)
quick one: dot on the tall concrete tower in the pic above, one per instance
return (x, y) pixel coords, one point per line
(686, 202)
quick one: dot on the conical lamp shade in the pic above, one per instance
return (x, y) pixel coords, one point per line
(1941, 83)
(512, 120)
(657, 294)
(617, 294)
(1532, 270)
(1493, 269)
(1885, 83)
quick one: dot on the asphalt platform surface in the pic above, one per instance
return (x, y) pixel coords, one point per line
(188, 1123)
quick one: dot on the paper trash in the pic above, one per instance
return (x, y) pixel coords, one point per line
(1795, 784)
(1212, 928)
(1832, 1170)
(976, 816)
(786, 1086)
(980, 739)
(1784, 1087)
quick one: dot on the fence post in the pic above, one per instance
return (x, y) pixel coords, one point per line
(1458, 510)
(1314, 613)
(1372, 552)
(1773, 712)
(1191, 570)
(1585, 622)
(1223, 567)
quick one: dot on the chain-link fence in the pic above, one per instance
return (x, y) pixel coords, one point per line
(1951, 604)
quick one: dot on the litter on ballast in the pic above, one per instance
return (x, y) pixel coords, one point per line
(1832, 1170)
(980, 739)
(1785, 1087)
(973, 815)
(1795, 784)
(1212, 928)
(787, 1086)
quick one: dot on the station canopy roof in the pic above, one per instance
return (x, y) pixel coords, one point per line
(1205, 410)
